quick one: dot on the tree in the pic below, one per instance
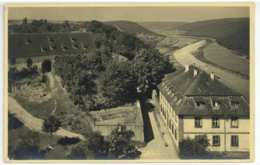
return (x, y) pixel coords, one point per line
(46, 66)
(25, 21)
(118, 85)
(68, 141)
(44, 78)
(29, 62)
(67, 26)
(81, 151)
(101, 78)
(98, 145)
(12, 60)
(194, 148)
(27, 147)
(149, 67)
(51, 124)
(13, 122)
(121, 145)
(77, 153)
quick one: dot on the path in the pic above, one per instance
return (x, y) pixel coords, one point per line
(185, 57)
(156, 148)
(34, 123)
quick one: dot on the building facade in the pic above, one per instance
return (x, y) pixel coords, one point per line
(194, 103)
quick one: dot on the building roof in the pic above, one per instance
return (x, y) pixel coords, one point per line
(198, 94)
(24, 45)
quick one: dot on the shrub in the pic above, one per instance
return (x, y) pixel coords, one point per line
(13, 122)
(46, 66)
(194, 148)
(29, 62)
(68, 141)
(27, 147)
(77, 153)
(51, 124)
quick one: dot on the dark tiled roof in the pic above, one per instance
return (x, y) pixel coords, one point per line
(38, 44)
(206, 106)
(200, 95)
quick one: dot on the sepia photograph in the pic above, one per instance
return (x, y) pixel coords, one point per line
(129, 82)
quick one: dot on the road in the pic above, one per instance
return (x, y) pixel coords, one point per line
(34, 123)
(156, 149)
(185, 57)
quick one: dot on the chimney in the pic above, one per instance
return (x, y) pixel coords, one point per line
(195, 72)
(212, 76)
(186, 68)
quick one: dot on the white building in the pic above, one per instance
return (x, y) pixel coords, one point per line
(194, 103)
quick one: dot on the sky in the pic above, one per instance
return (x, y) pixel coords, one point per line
(137, 14)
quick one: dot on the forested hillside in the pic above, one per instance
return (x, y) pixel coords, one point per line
(232, 33)
(42, 26)
(138, 30)
(159, 27)
(130, 27)
(117, 71)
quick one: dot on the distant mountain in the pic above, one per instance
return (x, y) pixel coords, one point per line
(130, 27)
(136, 29)
(232, 33)
(161, 26)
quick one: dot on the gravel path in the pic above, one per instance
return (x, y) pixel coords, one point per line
(156, 149)
(34, 123)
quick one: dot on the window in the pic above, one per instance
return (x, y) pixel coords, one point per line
(216, 105)
(197, 122)
(234, 141)
(235, 104)
(216, 140)
(234, 122)
(200, 104)
(215, 122)
(197, 137)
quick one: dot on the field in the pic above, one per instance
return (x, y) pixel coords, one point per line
(226, 58)
(232, 33)
(40, 44)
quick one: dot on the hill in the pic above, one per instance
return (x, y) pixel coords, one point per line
(136, 29)
(159, 27)
(232, 33)
(131, 27)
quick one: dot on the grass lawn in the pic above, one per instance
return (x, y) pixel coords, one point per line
(40, 110)
(224, 58)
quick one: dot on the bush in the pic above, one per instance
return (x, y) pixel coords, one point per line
(51, 124)
(46, 66)
(121, 144)
(13, 122)
(68, 141)
(194, 148)
(27, 147)
(77, 153)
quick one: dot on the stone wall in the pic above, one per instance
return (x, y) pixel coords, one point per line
(133, 121)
